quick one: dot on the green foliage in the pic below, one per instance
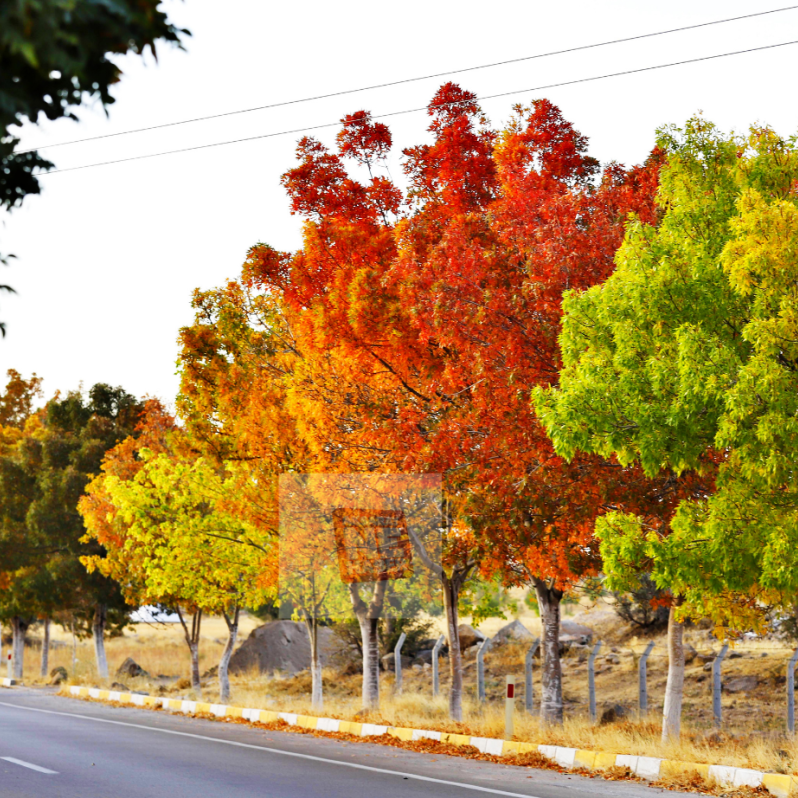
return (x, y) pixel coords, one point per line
(687, 356)
(54, 54)
(42, 477)
(483, 599)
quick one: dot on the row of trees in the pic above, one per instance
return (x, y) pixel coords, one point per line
(601, 364)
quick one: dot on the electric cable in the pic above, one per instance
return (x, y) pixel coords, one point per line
(411, 80)
(413, 110)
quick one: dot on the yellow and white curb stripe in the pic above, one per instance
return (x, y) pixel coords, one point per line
(647, 767)
(8, 682)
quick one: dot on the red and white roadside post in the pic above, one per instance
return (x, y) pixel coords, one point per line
(9, 664)
(509, 708)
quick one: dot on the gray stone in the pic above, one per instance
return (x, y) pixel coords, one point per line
(281, 646)
(131, 669)
(740, 684)
(389, 662)
(514, 631)
(468, 636)
(574, 629)
(122, 688)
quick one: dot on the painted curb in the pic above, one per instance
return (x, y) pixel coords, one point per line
(9, 682)
(647, 767)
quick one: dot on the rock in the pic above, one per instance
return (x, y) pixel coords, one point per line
(705, 657)
(514, 631)
(122, 688)
(735, 655)
(707, 666)
(570, 643)
(281, 646)
(425, 655)
(131, 669)
(612, 659)
(58, 675)
(689, 653)
(613, 713)
(389, 662)
(740, 684)
(468, 636)
(574, 629)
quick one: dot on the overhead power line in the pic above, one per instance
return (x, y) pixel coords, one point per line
(311, 128)
(414, 80)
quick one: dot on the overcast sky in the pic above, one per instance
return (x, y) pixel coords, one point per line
(108, 257)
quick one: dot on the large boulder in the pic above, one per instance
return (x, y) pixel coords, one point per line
(469, 636)
(572, 629)
(281, 646)
(514, 631)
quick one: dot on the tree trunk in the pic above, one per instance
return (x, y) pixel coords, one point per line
(224, 662)
(674, 689)
(551, 703)
(316, 687)
(451, 597)
(45, 648)
(368, 617)
(18, 629)
(98, 633)
(192, 641)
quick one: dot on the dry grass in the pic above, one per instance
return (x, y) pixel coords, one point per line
(754, 721)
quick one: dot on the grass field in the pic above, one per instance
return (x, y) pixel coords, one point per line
(753, 733)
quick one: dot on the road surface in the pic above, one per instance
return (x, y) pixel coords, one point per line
(54, 747)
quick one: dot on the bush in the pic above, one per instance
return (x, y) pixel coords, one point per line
(642, 606)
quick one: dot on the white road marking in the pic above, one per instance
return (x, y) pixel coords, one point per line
(354, 765)
(29, 765)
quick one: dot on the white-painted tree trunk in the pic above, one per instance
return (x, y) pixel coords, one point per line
(674, 689)
(18, 628)
(45, 648)
(316, 685)
(192, 638)
(224, 662)
(450, 601)
(551, 702)
(368, 617)
(98, 634)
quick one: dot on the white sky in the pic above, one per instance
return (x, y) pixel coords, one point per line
(108, 257)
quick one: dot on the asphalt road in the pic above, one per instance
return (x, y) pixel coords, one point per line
(54, 747)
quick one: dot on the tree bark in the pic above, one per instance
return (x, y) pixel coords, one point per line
(45, 648)
(451, 595)
(192, 641)
(368, 617)
(18, 629)
(551, 703)
(316, 686)
(674, 689)
(98, 633)
(224, 662)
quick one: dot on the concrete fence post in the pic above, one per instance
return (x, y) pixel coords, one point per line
(483, 647)
(591, 680)
(717, 684)
(642, 681)
(791, 692)
(509, 708)
(397, 661)
(528, 694)
(436, 686)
